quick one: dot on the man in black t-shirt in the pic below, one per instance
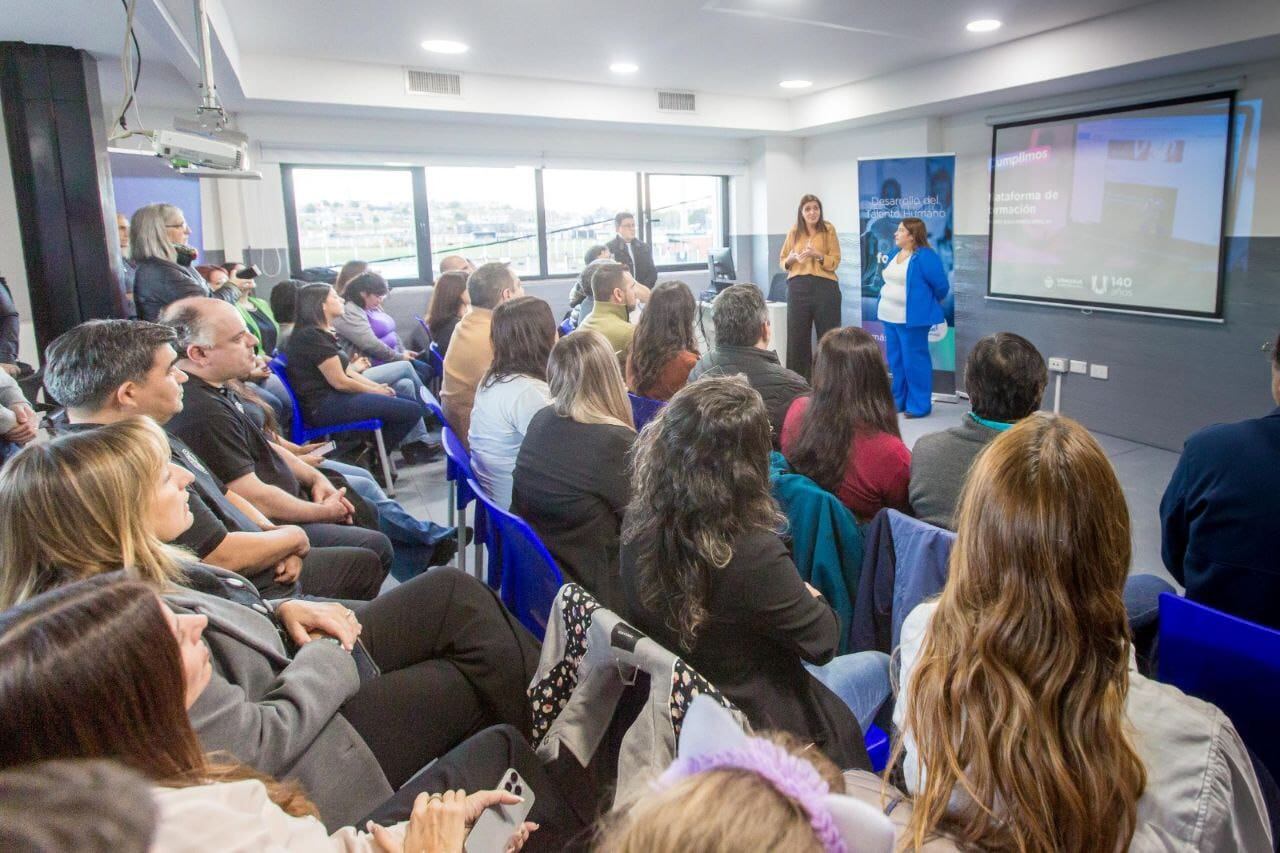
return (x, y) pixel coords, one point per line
(105, 371)
(217, 348)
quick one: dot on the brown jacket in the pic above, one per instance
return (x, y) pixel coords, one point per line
(469, 356)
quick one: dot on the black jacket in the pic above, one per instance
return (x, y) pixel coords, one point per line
(157, 283)
(765, 373)
(762, 626)
(643, 271)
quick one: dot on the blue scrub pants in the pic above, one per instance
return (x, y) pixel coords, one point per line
(907, 351)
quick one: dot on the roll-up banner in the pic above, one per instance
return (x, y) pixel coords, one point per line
(890, 189)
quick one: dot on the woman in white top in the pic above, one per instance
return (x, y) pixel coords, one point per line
(1025, 724)
(512, 392)
(102, 669)
(915, 284)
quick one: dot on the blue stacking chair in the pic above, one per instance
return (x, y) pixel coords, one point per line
(300, 433)
(520, 567)
(434, 357)
(643, 409)
(458, 472)
(566, 326)
(877, 743)
(1233, 663)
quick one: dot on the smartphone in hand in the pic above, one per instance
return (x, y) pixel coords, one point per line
(498, 823)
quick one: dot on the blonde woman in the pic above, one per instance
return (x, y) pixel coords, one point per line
(158, 235)
(1026, 725)
(571, 479)
(287, 695)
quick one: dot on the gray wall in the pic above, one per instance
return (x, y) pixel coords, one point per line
(1168, 377)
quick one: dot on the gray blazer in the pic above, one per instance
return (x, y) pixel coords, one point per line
(280, 715)
(353, 327)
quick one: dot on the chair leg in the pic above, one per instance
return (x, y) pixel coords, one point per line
(386, 464)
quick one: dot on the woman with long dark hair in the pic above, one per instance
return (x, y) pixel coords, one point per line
(332, 389)
(406, 677)
(705, 574)
(844, 436)
(663, 349)
(915, 283)
(449, 301)
(512, 391)
(810, 256)
(1025, 723)
(132, 706)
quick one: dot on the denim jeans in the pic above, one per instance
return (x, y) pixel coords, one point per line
(402, 376)
(861, 680)
(400, 418)
(414, 539)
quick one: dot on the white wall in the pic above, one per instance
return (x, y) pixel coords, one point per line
(12, 264)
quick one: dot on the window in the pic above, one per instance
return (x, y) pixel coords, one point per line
(404, 219)
(580, 206)
(484, 214)
(685, 221)
(344, 214)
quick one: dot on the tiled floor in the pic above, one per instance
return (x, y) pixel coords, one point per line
(1143, 471)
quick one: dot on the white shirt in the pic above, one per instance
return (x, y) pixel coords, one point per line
(1201, 792)
(499, 421)
(893, 296)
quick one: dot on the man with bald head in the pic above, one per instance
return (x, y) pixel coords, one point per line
(456, 263)
(215, 348)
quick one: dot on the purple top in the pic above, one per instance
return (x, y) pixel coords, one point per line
(384, 327)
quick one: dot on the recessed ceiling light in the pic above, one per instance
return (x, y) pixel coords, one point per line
(444, 46)
(796, 84)
(624, 68)
(983, 25)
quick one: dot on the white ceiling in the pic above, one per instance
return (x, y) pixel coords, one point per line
(739, 47)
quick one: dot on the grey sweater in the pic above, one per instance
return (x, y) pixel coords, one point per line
(940, 462)
(10, 394)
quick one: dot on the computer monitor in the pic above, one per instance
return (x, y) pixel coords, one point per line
(720, 265)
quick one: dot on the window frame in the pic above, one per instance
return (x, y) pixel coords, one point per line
(422, 222)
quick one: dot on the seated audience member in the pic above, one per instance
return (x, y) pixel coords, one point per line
(572, 478)
(470, 349)
(512, 391)
(256, 311)
(451, 658)
(727, 791)
(449, 304)
(127, 266)
(705, 574)
(132, 707)
(1005, 378)
(17, 419)
(743, 334)
(89, 806)
(105, 371)
(349, 270)
(1026, 725)
(284, 304)
(1219, 512)
(456, 263)
(162, 259)
(215, 347)
(331, 389)
(368, 330)
(581, 300)
(261, 325)
(615, 295)
(10, 331)
(664, 348)
(844, 436)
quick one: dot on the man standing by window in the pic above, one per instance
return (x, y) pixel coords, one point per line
(628, 250)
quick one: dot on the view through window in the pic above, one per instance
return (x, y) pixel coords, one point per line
(483, 214)
(356, 213)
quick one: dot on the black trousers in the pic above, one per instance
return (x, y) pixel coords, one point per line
(813, 302)
(355, 576)
(453, 662)
(336, 572)
(477, 765)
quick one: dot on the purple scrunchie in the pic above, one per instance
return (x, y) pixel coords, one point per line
(793, 777)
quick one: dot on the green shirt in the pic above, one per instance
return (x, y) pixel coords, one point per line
(610, 320)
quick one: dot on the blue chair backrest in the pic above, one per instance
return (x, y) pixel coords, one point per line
(643, 409)
(457, 464)
(566, 326)
(437, 357)
(278, 366)
(1228, 661)
(520, 566)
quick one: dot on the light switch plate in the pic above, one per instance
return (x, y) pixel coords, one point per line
(1078, 366)
(1099, 371)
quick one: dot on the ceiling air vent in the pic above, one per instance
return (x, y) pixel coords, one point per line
(432, 82)
(676, 102)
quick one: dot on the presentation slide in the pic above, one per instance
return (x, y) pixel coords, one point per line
(1119, 209)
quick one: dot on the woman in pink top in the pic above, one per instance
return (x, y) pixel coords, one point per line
(845, 435)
